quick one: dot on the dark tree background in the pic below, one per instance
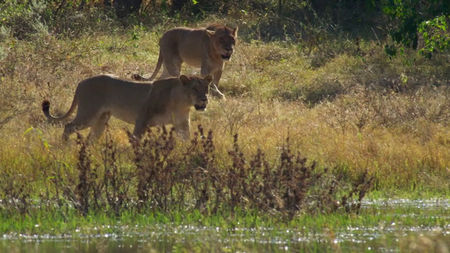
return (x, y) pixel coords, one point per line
(125, 8)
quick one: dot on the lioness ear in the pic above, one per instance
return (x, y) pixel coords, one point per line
(210, 33)
(184, 79)
(235, 32)
(209, 78)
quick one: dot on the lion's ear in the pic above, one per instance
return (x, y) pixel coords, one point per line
(209, 78)
(235, 32)
(184, 79)
(210, 33)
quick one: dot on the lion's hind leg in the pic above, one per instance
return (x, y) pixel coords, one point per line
(171, 65)
(99, 127)
(70, 129)
(85, 118)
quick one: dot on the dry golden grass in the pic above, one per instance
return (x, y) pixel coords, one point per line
(345, 109)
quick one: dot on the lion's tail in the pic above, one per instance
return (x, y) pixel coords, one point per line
(158, 66)
(46, 110)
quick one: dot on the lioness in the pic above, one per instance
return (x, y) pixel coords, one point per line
(206, 48)
(167, 101)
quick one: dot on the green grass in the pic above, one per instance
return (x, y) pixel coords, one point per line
(394, 227)
(41, 223)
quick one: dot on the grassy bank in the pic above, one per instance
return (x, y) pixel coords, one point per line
(363, 120)
(379, 227)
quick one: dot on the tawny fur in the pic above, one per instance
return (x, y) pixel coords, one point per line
(206, 48)
(166, 101)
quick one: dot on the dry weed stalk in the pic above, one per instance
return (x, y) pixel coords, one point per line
(165, 180)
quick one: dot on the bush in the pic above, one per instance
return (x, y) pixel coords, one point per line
(22, 20)
(411, 17)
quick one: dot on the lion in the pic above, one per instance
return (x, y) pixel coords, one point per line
(166, 101)
(207, 48)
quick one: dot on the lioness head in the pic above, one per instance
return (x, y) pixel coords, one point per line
(197, 89)
(223, 39)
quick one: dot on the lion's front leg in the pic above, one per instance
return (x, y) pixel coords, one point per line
(217, 73)
(215, 83)
(142, 123)
(182, 128)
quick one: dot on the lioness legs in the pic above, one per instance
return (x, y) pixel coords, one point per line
(217, 74)
(98, 128)
(138, 77)
(70, 129)
(183, 129)
(141, 126)
(216, 92)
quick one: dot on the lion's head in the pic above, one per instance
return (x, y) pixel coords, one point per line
(197, 89)
(223, 39)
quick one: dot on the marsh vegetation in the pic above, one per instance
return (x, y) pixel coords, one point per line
(326, 110)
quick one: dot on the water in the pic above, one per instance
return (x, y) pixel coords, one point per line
(402, 225)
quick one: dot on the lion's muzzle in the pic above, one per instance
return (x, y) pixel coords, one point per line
(226, 57)
(200, 107)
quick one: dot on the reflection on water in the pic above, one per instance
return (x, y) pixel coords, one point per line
(389, 235)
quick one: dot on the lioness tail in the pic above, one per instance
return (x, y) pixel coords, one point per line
(158, 66)
(46, 110)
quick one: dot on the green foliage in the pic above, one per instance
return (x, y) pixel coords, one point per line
(22, 18)
(436, 36)
(411, 17)
(40, 135)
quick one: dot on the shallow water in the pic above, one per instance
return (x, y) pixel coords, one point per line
(403, 225)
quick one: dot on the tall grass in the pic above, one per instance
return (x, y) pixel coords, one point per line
(155, 176)
(358, 115)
